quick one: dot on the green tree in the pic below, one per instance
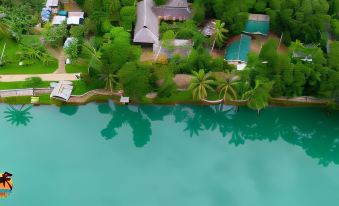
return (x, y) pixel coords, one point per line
(218, 35)
(135, 79)
(94, 56)
(167, 40)
(108, 76)
(4, 28)
(333, 59)
(72, 50)
(54, 35)
(200, 83)
(117, 48)
(258, 97)
(227, 86)
(127, 17)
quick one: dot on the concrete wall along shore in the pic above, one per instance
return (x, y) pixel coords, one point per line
(24, 92)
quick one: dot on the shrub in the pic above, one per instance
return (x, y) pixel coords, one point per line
(33, 82)
(72, 50)
(167, 88)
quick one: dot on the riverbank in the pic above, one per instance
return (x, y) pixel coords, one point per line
(101, 95)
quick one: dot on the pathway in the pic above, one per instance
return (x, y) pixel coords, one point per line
(60, 56)
(24, 92)
(82, 99)
(58, 75)
(303, 99)
(44, 77)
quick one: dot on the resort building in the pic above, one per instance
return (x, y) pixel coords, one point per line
(147, 26)
(57, 20)
(75, 18)
(305, 54)
(62, 90)
(237, 51)
(52, 3)
(70, 16)
(258, 24)
(146, 31)
(173, 10)
(209, 28)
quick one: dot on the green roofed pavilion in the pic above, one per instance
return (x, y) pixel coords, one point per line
(258, 24)
(238, 50)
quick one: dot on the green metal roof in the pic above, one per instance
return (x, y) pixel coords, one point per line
(238, 50)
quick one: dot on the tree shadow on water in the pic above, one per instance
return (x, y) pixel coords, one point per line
(121, 115)
(69, 110)
(18, 116)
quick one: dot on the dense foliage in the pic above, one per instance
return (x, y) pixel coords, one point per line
(306, 20)
(309, 67)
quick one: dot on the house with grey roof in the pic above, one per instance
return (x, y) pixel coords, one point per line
(62, 90)
(174, 10)
(148, 19)
(147, 26)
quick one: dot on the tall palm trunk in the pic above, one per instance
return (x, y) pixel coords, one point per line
(215, 39)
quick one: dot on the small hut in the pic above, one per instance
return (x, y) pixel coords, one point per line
(62, 90)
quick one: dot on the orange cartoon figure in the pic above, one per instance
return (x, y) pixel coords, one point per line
(6, 184)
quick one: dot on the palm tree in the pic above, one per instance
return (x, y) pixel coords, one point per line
(108, 76)
(258, 97)
(4, 27)
(226, 87)
(218, 34)
(95, 56)
(200, 83)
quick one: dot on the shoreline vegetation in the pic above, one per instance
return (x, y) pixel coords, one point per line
(166, 52)
(102, 96)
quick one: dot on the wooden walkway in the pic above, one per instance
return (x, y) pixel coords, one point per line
(85, 98)
(24, 92)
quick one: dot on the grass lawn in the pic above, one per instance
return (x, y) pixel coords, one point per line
(76, 68)
(181, 97)
(44, 99)
(80, 87)
(21, 85)
(12, 58)
(79, 66)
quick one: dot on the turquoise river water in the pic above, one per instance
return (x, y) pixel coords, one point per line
(108, 155)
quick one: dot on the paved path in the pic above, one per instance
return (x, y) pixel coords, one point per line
(44, 77)
(61, 63)
(83, 99)
(59, 54)
(24, 92)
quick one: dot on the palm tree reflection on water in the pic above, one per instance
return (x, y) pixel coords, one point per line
(18, 116)
(307, 128)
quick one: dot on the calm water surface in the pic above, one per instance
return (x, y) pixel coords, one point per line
(107, 155)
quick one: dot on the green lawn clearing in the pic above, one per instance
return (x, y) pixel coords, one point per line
(11, 58)
(80, 87)
(76, 68)
(21, 85)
